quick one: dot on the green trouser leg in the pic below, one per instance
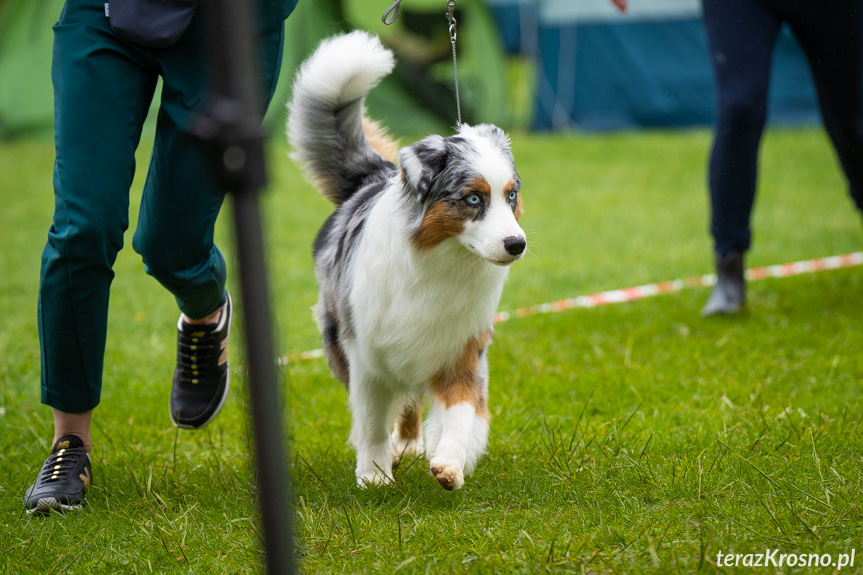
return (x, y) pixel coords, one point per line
(103, 88)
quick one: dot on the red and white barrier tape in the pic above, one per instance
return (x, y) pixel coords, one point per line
(653, 289)
(649, 290)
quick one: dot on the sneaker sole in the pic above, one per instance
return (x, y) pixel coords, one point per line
(215, 413)
(48, 504)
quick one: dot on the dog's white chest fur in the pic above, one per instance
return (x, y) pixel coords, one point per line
(414, 311)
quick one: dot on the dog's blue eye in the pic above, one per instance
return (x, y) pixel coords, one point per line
(512, 196)
(473, 200)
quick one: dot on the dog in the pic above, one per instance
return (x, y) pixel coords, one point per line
(410, 266)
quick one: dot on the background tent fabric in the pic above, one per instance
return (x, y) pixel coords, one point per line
(601, 70)
(595, 69)
(417, 98)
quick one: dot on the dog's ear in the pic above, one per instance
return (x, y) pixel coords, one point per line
(421, 163)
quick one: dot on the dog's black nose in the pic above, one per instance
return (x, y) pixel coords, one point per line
(514, 245)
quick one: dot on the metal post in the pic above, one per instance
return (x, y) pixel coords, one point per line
(231, 128)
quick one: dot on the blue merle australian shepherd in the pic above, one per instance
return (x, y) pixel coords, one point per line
(410, 266)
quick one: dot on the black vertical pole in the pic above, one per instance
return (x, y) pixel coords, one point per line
(231, 128)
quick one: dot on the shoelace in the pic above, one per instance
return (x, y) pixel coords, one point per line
(61, 463)
(197, 355)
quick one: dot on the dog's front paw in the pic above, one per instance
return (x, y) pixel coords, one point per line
(374, 470)
(448, 474)
(373, 479)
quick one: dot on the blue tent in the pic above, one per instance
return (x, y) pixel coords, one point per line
(601, 70)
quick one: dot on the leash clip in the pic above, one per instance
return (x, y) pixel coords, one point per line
(392, 13)
(450, 15)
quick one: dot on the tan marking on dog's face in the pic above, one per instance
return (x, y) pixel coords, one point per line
(461, 383)
(481, 187)
(446, 218)
(517, 210)
(408, 426)
(443, 220)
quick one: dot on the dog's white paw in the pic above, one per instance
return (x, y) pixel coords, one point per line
(450, 475)
(373, 479)
(374, 467)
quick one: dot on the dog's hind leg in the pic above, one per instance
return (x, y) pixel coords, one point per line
(457, 426)
(371, 412)
(328, 325)
(407, 437)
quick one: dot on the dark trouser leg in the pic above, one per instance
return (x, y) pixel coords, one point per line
(97, 127)
(181, 201)
(741, 35)
(831, 35)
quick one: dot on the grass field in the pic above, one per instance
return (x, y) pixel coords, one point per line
(630, 438)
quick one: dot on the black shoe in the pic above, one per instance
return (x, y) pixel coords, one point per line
(63, 480)
(202, 377)
(729, 293)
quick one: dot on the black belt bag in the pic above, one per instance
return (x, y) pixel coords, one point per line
(150, 23)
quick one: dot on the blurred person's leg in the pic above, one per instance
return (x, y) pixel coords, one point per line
(831, 34)
(741, 36)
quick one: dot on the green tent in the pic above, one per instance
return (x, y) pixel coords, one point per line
(26, 96)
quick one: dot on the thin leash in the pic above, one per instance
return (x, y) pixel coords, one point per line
(392, 14)
(453, 34)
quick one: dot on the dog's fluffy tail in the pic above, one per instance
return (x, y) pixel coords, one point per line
(338, 147)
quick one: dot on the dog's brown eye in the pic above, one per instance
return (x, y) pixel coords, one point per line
(473, 200)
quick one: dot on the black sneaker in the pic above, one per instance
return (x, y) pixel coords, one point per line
(63, 480)
(202, 377)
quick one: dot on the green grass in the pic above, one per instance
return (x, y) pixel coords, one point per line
(632, 438)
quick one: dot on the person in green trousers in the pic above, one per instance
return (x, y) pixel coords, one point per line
(103, 88)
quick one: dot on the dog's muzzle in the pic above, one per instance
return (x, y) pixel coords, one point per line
(514, 245)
